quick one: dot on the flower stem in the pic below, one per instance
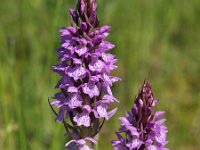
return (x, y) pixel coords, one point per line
(66, 129)
(65, 124)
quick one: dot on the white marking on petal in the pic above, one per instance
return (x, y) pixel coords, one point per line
(82, 119)
(77, 72)
(102, 110)
(81, 50)
(97, 66)
(74, 101)
(90, 89)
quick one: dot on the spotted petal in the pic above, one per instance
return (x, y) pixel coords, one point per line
(82, 119)
(96, 66)
(77, 72)
(91, 89)
(81, 50)
(74, 101)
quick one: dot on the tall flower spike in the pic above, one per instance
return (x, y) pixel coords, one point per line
(142, 128)
(85, 85)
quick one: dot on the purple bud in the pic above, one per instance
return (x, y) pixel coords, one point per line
(74, 15)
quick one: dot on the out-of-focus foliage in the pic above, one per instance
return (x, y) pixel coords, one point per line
(155, 39)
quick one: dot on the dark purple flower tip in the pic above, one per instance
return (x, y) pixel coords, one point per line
(74, 15)
(83, 26)
(87, 12)
(143, 128)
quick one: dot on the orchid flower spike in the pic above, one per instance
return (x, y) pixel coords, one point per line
(85, 85)
(142, 128)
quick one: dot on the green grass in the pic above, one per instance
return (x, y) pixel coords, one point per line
(155, 39)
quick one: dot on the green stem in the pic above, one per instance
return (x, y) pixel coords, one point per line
(67, 130)
(64, 123)
(96, 147)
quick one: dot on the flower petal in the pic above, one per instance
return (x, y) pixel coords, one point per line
(90, 89)
(74, 101)
(96, 66)
(77, 72)
(82, 119)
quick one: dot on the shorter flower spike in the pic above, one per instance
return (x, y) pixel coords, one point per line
(142, 128)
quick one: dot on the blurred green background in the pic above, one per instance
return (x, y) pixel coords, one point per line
(155, 39)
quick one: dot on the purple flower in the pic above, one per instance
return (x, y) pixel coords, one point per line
(79, 144)
(74, 101)
(142, 127)
(96, 65)
(90, 89)
(84, 67)
(77, 72)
